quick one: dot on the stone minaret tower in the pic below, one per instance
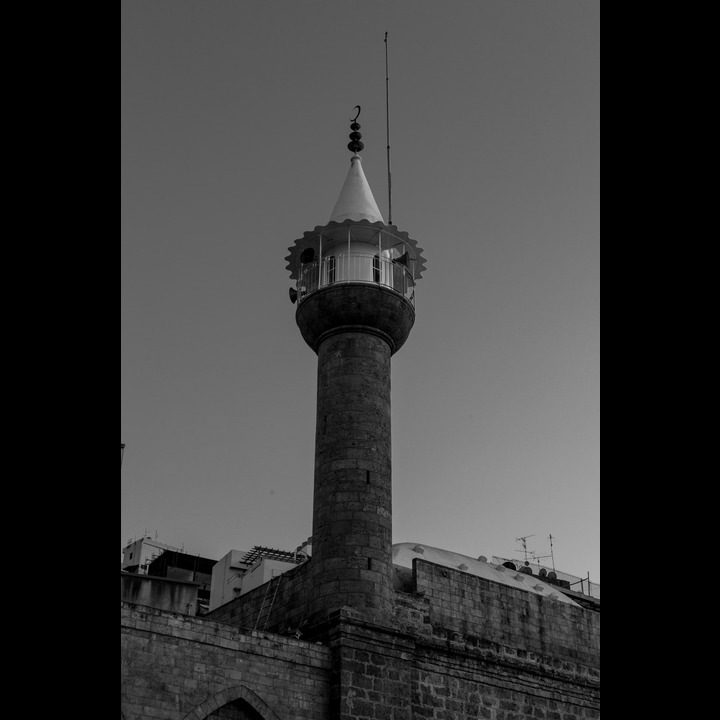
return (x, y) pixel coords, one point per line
(355, 294)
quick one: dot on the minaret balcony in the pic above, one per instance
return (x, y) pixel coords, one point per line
(359, 253)
(370, 268)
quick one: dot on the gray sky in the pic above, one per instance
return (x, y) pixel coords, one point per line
(235, 117)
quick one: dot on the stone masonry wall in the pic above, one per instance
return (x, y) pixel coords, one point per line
(462, 647)
(381, 676)
(457, 647)
(393, 674)
(179, 667)
(512, 621)
(457, 681)
(444, 658)
(372, 671)
(289, 611)
(486, 650)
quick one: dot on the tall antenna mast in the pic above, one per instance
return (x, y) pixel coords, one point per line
(387, 116)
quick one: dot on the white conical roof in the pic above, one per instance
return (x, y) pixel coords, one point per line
(356, 201)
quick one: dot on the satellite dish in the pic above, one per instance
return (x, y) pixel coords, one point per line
(552, 575)
(526, 570)
(543, 572)
(510, 565)
(307, 255)
(293, 295)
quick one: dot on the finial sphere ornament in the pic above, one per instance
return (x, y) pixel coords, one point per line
(355, 145)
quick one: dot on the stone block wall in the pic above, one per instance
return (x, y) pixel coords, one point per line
(289, 611)
(498, 616)
(392, 674)
(458, 647)
(179, 667)
(371, 669)
(455, 681)
(487, 650)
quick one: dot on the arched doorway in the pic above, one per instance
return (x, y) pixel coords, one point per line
(235, 703)
(235, 710)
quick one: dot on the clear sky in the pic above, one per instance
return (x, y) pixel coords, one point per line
(235, 117)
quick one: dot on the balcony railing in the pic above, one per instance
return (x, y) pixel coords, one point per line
(354, 268)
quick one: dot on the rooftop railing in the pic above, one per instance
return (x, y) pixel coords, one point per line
(356, 267)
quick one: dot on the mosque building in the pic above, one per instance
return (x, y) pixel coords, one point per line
(356, 628)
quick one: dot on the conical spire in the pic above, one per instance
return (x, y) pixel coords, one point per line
(355, 208)
(356, 201)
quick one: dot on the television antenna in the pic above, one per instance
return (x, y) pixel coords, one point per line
(523, 540)
(531, 554)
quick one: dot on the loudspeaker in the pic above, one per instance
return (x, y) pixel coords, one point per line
(293, 295)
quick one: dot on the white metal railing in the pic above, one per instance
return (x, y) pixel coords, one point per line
(355, 267)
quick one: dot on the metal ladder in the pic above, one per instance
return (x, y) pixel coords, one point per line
(266, 608)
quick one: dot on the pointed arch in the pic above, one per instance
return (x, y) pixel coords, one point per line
(239, 692)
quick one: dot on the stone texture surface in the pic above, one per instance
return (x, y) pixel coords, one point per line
(513, 622)
(367, 306)
(177, 666)
(352, 509)
(457, 647)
